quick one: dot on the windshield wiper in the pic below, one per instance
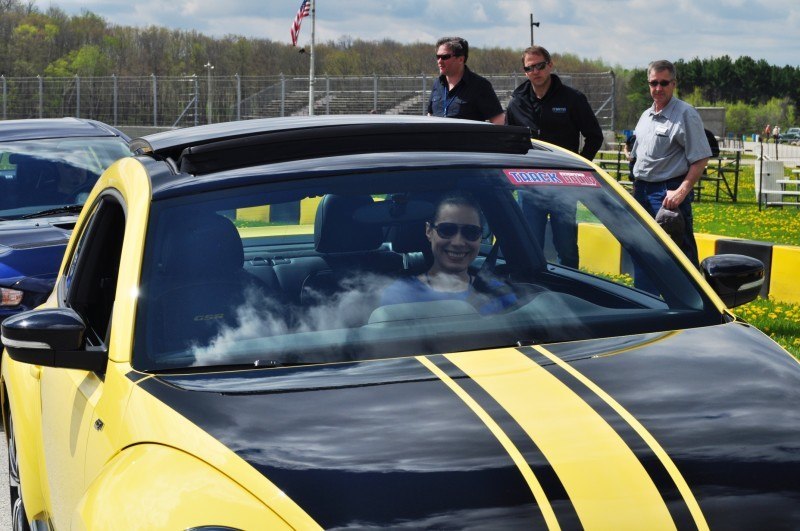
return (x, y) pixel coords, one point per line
(66, 209)
(256, 364)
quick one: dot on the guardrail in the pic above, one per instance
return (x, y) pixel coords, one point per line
(180, 101)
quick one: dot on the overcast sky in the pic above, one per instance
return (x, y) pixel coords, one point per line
(620, 32)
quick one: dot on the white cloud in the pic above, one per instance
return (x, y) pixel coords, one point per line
(624, 32)
(189, 8)
(479, 13)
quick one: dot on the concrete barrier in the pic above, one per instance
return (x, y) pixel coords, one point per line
(785, 281)
(781, 262)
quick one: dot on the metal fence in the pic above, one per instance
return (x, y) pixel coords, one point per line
(194, 100)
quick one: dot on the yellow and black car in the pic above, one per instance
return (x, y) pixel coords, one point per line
(252, 329)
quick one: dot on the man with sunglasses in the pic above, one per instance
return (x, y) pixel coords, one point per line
(560, 115)
(671, 152)
(459, 92)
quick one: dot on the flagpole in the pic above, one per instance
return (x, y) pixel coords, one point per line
(311, 68)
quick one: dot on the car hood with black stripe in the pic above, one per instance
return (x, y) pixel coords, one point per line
(684, 429)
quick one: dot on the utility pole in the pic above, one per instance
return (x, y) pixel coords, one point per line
(210, 67)
(311, 68)
(532, 25)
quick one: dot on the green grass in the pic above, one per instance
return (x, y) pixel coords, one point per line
(743, 218)
(780, 321)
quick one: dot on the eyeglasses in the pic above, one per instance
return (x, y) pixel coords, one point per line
(445, 56)
(663, 83)
(448, 231)
(538, 67)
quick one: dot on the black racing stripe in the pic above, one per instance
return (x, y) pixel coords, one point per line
(405, 454)
(652, 464)
(136, 376)
(553, 488)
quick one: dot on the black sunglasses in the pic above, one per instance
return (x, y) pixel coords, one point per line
(445, 56)
(663, 83)
(447, 231)
(537, 66)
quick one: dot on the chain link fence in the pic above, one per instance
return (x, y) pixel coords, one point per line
(152, 101)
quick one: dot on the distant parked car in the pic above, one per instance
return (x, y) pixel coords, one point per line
(47, 168)
(791, 136)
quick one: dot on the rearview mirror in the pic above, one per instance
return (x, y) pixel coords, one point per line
(51, 337)
(736, 278)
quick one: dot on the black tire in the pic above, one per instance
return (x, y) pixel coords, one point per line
(19, 519)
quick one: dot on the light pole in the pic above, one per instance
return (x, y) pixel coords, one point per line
(532, 25)
(210, 67)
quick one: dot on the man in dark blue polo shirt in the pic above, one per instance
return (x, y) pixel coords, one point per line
(459, 92)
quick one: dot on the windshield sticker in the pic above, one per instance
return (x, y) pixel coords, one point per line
(551, 178)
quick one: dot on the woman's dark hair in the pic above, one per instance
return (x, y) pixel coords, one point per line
(458, 198)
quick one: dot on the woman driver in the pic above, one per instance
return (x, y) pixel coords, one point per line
(455, 237)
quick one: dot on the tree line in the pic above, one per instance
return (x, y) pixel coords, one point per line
(51, 43)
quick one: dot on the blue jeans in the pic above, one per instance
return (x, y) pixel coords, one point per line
(651, 196)
(549, 202)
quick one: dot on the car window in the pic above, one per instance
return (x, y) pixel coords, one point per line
(37, 175)
(334, 269)
(90, 280)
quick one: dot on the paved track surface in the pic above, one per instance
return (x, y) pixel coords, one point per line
(5, 508)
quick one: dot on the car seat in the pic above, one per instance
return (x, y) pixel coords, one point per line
(36, 180)
(201, 285)
(357, 264)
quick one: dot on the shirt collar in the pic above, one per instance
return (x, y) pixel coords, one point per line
(668, 107)
(464, 78)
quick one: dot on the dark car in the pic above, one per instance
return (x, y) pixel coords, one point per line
(47, 168)
(348, 323)
(791, 136)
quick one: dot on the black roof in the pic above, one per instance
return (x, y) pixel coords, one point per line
(42, 128)
(225, 146)
(167, 184)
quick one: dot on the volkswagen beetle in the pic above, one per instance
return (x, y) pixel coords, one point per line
(250, 330)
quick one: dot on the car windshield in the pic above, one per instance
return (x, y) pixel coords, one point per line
(41, 175)
(351, 267)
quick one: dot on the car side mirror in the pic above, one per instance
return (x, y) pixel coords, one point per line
(51, 337)
(736, 278)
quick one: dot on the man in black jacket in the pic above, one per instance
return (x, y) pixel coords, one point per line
(557, 114)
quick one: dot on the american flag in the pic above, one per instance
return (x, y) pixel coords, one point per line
(304, 11)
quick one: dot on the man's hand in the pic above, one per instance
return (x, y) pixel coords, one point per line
(674, 198)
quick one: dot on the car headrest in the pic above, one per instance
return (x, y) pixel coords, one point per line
(32, 167)
(410, 238)
(408, 223)
(206, 245)
(336, 229)
(19, 158)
